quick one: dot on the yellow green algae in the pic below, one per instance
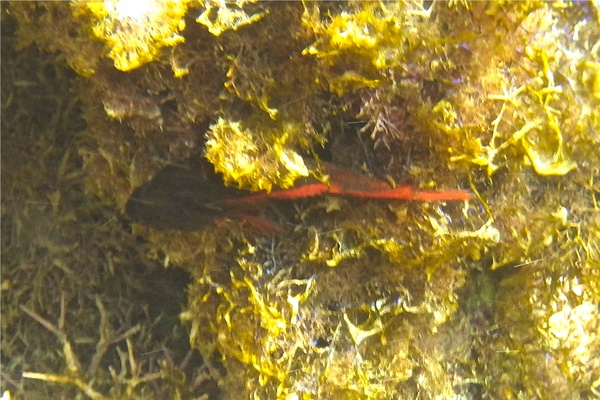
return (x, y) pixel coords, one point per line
(496, 297)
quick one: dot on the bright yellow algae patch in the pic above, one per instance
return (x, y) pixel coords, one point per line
(254, 160)
(221, 16)
(136, 30)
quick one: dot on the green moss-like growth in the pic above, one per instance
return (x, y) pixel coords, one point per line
(495, 297)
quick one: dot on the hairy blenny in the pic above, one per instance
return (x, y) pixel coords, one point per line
(191, 196)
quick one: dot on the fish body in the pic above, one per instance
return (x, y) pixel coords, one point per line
(191, 197)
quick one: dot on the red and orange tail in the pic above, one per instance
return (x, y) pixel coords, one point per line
(345, 182)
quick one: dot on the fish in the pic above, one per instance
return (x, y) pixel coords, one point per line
(190, 196)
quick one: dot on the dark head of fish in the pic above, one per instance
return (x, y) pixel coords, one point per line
(182, 197)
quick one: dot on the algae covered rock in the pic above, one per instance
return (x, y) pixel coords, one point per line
(182, 102)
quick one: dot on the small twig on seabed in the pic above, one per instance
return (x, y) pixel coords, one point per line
(72, 362)
(84, 387)
(107, 336)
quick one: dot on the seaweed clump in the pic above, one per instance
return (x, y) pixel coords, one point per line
(84, 313)
(495, 297)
